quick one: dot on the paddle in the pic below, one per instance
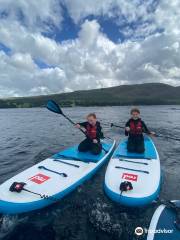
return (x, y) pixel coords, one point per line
(54, 107)
(163, 136)
(114, 125)
(156, 135)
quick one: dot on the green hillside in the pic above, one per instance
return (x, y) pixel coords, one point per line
(139, 94)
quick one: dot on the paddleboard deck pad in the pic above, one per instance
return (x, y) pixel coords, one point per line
(162, 226)
(51, 179)
(142, 171)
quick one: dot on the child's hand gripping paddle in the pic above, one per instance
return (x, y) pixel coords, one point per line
(152, 134)
(54, 107)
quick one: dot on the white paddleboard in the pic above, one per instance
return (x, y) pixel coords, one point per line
(141, 170)
(52, 179)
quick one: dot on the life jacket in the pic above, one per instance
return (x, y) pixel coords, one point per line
(136, 128)
(91, 131)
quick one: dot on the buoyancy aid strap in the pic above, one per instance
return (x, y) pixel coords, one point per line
(91, 131)
(136, 128)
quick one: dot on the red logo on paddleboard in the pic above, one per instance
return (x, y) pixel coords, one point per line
(129, 176)
(39, 178)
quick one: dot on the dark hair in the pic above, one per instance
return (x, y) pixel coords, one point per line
(135, 110)
(91, 115)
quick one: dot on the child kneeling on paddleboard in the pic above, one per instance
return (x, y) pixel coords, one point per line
(94, 133)
(135, 128)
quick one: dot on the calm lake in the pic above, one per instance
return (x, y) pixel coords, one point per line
(31, 135)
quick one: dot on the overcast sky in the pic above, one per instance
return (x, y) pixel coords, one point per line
(51, 46)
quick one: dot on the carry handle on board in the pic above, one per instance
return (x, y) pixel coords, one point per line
(49, 170)
(131, 169)
(130, 161)
(74, 158)
(67, 163)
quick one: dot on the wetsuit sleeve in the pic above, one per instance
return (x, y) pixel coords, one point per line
(145, 128)
(99, 131)
(127, 125)
(83, 124)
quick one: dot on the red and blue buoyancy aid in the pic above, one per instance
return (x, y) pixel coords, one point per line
(136, 128)
(91, 131)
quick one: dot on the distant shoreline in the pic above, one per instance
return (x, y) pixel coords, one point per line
(83, 106)
(142, 105)
(148, 94)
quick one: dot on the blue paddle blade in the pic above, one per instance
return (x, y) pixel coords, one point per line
(53, 107)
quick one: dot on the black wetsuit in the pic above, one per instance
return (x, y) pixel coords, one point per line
(136, 140)
(87, 144)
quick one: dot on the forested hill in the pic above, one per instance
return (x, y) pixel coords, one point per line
(138, 94)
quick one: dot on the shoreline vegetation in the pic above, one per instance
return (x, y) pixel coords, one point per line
(138, 94)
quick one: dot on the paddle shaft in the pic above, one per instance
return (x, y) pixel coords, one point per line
(114, 125)
(74, 124)
(173, 138)
(156, 135)
(80, 129)
(54, 107)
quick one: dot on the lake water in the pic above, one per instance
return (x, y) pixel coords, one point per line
(31, 135)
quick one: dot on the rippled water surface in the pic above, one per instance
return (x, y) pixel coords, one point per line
(31, 135)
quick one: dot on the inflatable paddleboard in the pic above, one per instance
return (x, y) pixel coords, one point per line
(162, 226)
(51, 179)
(141, 171)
